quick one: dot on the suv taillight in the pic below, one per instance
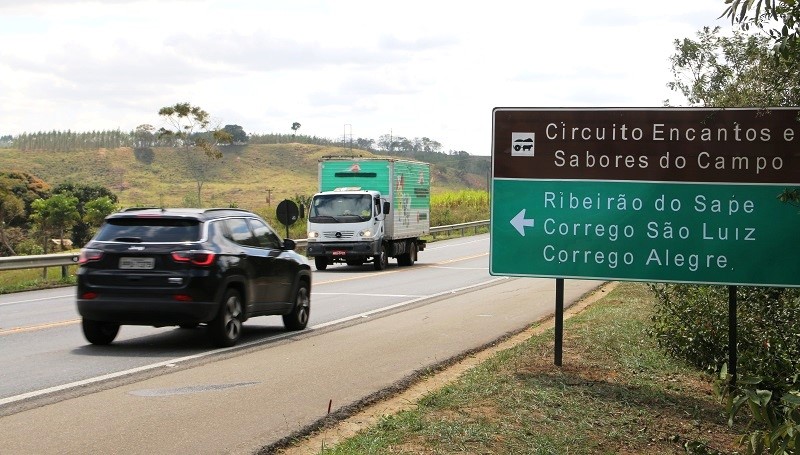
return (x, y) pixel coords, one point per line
(89, 255)
(196, 257)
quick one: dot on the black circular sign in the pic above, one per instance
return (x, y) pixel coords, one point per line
(287, 212)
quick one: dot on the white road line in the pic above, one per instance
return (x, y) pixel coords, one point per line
(172, 362)
(37, 300)
(455, 244)
(368, 295)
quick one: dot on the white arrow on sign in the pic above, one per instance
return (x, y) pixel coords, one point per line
(520, 222)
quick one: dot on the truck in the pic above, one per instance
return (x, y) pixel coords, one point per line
(368, 210)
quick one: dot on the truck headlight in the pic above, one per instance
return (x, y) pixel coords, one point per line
(366, 233)
(313, 235)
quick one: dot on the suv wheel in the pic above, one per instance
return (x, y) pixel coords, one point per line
(97, 332)
(321, 262)
(298, 318)
(226, 329)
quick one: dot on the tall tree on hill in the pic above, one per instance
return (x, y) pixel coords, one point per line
(28, 188)
(238, 136)
(295, 127)
(191, 133)
(11, 207)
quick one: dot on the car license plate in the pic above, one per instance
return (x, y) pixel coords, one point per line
(137, 263)
(339, 252)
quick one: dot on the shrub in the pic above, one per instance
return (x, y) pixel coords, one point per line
(691, 323)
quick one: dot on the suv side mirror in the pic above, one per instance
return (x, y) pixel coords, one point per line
(289, 244)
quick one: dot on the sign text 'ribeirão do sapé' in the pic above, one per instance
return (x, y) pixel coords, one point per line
(652, 194)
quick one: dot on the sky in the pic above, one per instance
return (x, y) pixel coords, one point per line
(353, 69)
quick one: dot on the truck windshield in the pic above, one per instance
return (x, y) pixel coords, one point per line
(340, 208)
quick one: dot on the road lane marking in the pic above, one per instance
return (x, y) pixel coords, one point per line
(419, 266)
(456, 244)
(13, 302)
(32, 328)
(369, 295)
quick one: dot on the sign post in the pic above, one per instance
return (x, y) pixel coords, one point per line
(657, 195)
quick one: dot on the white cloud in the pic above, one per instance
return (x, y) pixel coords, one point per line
(415, 68)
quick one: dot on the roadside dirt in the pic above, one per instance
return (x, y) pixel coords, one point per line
(331, 434)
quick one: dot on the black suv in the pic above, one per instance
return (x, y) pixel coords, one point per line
(188, 267)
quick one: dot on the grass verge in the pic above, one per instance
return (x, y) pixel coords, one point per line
(32, 279)
(616, 393)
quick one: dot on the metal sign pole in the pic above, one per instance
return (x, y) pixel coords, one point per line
(732, 342)
(559, 331)
(286, 213)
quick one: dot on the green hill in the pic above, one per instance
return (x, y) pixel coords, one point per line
(245, 176)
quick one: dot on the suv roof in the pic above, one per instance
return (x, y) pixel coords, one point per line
(198, 213)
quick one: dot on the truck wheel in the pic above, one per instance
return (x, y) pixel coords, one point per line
(409, 257)
(321, 262)
(98, 332)
(381, 260)
(298, 318)
(226, 328)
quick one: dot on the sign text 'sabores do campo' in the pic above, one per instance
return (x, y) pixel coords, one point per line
(681, 195)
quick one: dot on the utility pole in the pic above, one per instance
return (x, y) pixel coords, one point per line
(345, 134)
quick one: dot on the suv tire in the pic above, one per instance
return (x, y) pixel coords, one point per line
(226, 329)
(298, 318)
(98, 332)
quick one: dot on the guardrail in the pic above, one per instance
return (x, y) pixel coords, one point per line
(65, 259)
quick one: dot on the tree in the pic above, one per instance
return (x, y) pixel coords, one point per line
(143, 136)
(55, 215)
(82, 229)
(295, 127)
(365, 144)
(739, 70)
(28, 188)
(238, 136)
(190, 132)
(783, 16)
(11, 207)
(742, 70)
(96, 210)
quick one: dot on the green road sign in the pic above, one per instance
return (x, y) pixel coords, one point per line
(599, 195)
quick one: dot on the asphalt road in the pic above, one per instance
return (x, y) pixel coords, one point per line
(43, 348)
(168, 391)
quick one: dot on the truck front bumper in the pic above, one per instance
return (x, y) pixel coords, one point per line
(343, 250)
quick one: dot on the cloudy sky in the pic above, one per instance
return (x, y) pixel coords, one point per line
(363, 68)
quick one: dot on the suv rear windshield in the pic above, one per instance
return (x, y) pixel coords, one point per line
(149, 230)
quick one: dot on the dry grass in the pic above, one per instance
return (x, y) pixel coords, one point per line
(616, 393)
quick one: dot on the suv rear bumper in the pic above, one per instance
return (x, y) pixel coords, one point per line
(156, 312)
